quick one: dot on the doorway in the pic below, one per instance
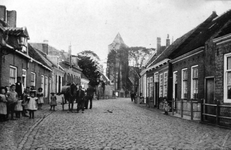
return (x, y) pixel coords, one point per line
(209, 99)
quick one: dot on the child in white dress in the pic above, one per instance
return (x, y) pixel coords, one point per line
(32, 106)
(40, 98)
(18, 108)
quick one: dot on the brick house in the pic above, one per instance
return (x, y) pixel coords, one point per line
(65, 70)
(52, 61)
(198, 68)
(18, 59)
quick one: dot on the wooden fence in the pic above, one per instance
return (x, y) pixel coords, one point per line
(190, 109)
(216, 114)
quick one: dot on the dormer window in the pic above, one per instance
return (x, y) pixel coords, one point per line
(22, 41)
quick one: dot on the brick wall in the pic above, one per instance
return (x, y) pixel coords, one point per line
(197, 59)
(220, 51)
(21, 62)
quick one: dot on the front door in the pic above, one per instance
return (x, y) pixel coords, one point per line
(157, 94)
(210, 90)
(210, 99)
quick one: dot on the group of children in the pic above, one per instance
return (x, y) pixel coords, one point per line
(14, 105)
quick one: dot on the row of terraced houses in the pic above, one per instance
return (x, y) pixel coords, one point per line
(193, 74)
(37, 64)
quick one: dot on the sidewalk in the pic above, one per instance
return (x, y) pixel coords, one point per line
(14, 132)
(143, 105)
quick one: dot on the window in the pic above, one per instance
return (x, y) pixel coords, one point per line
(151, 87)
(32, 79)
(42, 82)
(184, 90)
(165, 84)
(148, 84)
(161, 85)
(13, 75)
(194, 82)
(156, 79)
(174, 85)
(227, 78)
(24, 78)
(46, 86)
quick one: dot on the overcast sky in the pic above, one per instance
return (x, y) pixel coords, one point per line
(93, 24)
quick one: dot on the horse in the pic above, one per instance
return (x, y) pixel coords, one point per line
(69, 92)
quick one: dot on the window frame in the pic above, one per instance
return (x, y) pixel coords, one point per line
(192, 79)
(161, 85)
(226, 56)
(165, 84)
(182, 84)
(34, 79)
(16, 73)
(46, 88)
(42, 83)
(174, 83)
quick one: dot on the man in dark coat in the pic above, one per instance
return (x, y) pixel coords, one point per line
(19, 88)
(133, 95)
(90, 94)
(80, 99)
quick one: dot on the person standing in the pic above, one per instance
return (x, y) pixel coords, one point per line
(32, 104)
(19, 88)
(90, 95)
(25, 101)
(133, 95)
(40, 98)
(80, 99)
(3, 105)
(53, 101)
(12, 98)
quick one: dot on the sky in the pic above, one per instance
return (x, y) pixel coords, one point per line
(93, 24)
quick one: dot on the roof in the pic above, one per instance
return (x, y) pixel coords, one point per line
(212, 29)
(16, 31)
(35, 54)
(183, 40)
(51, 50)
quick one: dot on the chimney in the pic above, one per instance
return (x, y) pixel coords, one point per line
(45, 46)
(158, 45)
(3, 13)
(167, 41)
(11, 18)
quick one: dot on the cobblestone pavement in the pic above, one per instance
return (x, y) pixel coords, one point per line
(120, 124)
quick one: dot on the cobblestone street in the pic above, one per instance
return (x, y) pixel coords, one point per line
(124, 126)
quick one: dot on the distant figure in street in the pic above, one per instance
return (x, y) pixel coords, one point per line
(32, 106)
(90, 93)
(133, 95)
(53, 101)
(80, 99)
(40, 98)
(19, 88)
(12, 99)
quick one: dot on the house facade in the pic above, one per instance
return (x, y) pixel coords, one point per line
(18, 59)
(197, 70)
